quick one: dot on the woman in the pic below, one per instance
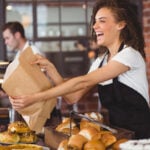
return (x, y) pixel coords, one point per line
(120, 73)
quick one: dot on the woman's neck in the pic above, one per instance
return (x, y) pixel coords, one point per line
(113, 49)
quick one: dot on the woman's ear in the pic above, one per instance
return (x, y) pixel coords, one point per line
(121, 25)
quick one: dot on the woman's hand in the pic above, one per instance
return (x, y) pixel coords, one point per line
(44, 63)
(19, 102)
(49, 68)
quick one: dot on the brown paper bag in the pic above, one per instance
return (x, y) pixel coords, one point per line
(28, 79)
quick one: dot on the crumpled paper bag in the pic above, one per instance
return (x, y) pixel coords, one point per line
(23, 78)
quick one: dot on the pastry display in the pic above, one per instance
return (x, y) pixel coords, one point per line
(91, 136)
(18, 132)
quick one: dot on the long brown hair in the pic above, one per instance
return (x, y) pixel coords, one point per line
(132, 34)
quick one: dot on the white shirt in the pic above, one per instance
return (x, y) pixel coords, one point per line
(136, 77)
(34, 49)
(12, 66)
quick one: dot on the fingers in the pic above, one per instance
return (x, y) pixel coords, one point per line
(16, 104)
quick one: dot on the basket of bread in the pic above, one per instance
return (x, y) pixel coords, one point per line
(84, 132)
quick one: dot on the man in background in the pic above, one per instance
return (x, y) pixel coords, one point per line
(15, 39)
(16, 42)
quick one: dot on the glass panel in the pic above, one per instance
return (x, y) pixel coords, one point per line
(76, 12)
(48, 20)
(89, 10)
(21, 12)
(75, 45)
(48, 31)
(73, 30)
(68, 46)
(51, 46)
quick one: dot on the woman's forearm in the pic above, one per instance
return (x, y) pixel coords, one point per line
(54, 75)
(70, 86)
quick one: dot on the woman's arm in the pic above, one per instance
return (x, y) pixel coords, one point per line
(57, 79)
(85, 82)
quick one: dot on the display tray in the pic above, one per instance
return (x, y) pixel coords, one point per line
(44, 147)
(5, 143)
(53, 138)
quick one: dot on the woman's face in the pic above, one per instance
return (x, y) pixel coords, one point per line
(106, 28)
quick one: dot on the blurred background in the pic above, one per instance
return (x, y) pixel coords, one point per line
(61, 30)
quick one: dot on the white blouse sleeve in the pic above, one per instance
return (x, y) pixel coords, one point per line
(129, 57)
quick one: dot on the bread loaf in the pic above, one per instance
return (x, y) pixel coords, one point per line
(76, 142)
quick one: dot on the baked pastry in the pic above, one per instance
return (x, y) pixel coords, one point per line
(28, 137)
(9, 138)
(94, 145)
(63, 145)
(76, 142)
(96, 116)
(65, 124)
(88, 132)
(64, 127)
(73, 131)
(108, 139)
(18, 127)
(85, 124)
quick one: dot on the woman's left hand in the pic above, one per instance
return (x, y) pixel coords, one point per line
(19, 102)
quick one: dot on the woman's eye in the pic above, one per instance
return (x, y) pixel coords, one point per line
(102, 21)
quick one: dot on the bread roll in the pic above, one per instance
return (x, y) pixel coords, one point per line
(94, 145)
(96, 116)
(29, 137)
(9, 138)
(65, 125)
(108, 139)
(63, 145)
(76, 142)
(18, 127)
(73, 131)
(89, 132)
(85, 124)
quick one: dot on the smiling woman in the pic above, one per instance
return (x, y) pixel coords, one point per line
(120, 72)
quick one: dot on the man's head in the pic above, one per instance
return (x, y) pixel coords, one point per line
(14, 35)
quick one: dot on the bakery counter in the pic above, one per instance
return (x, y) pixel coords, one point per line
(61, 135)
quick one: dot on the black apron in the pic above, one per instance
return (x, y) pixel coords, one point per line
(127, 108)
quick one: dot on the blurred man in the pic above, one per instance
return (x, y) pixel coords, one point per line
(15, 39)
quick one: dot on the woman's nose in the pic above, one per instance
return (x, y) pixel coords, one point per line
(95, 25)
